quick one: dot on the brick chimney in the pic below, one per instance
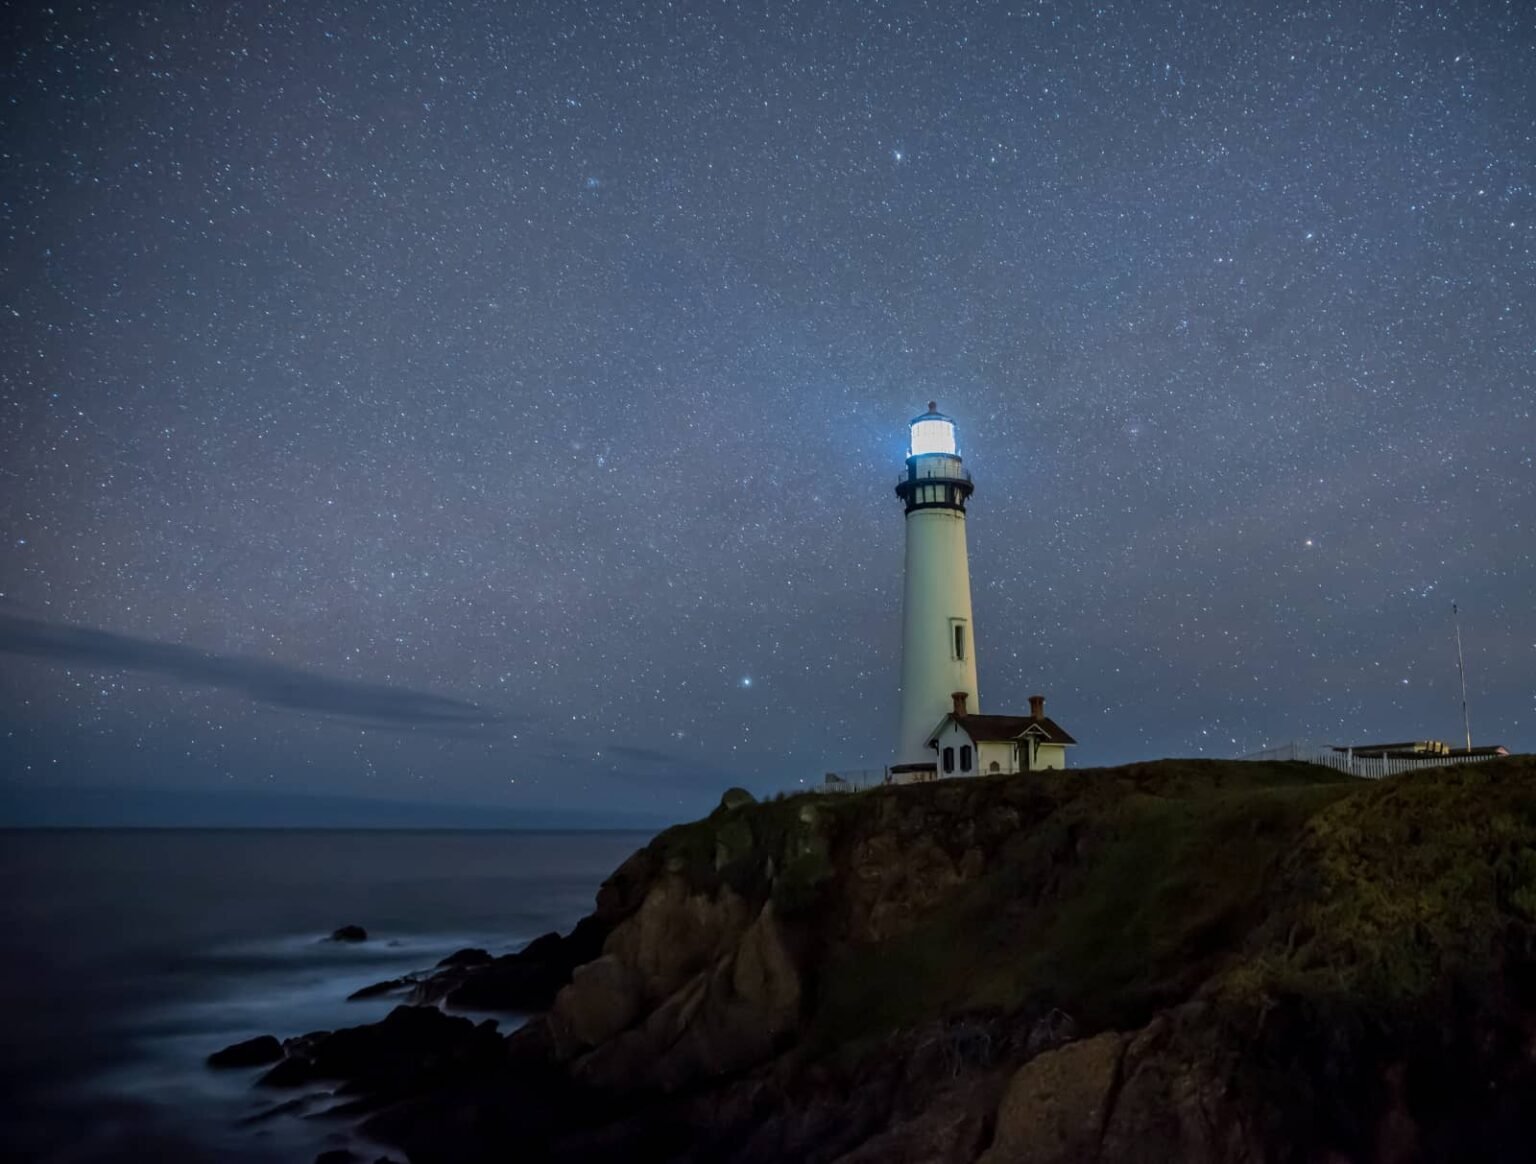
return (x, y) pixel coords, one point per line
(959, 697)
(1037, 707)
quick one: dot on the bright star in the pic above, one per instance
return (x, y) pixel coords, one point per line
(746, 681)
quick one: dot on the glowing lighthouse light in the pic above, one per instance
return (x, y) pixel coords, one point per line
(933, 433)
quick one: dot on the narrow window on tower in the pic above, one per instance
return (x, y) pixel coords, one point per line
(958, 631)
(949, 759)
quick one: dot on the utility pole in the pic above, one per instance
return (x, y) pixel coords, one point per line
(1461, 668)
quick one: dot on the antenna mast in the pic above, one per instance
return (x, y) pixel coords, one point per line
(1461, 668)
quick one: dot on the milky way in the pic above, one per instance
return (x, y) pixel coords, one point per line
(555, 360)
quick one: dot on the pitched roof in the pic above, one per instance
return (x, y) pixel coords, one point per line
(995, 728)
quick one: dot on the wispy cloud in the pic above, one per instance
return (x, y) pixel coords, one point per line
(276, 684)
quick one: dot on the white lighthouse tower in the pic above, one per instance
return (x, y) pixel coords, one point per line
(938, 643)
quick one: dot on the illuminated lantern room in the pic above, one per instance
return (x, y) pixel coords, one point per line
(932, 432)
(935, 478)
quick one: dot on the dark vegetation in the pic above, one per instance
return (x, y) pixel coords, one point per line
(1285, 963)
(1121, 899)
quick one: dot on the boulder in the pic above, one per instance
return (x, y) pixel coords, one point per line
(602, 999)
(525, 981)
(950, 1127)
(255, 1052)
(1056, 1105)
(379, 988)
(733, 841)
(412, 1047)
(894, 881)
(730, 1015)
(736, 798)
(1176, 1099)
(764, 975)
(676, 933)
(349, 934)
(468, 957)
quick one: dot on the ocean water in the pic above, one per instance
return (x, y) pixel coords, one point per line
(127, 956)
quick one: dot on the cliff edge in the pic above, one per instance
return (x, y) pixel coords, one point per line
(1192, 960)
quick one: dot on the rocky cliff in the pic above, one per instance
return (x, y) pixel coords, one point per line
(1178, 960)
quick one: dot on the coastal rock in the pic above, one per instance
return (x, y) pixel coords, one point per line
(255, 1052)
(602, 999)
(349, 934)
(765, 976)
(1056, 1104)
(473, 956)
(676, 933)
(528, 980)
(896, 880)
(379, 988)
(1193, 961)
(728, 1016)
(952, 1125)
(411, 1047)
(1175, 1098)
(736, 798)
(733, 842)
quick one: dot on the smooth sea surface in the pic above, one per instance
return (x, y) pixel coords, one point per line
(127, 956)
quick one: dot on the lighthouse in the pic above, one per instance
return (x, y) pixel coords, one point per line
(938, 641)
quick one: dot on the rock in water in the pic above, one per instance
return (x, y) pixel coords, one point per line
(470, 957)
(413, 1046)
(378, 988)
(525, 981)
(251, 1053)
(349, 934)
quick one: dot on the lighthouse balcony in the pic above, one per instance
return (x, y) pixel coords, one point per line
(930, 471)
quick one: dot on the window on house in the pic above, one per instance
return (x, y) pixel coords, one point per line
(949, 759)
(965, 757)
(995, 767)
(959, 640)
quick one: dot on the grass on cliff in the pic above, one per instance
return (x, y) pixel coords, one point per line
(1121, 891)
(777, 848)
(1132, 889)
(1418, 880)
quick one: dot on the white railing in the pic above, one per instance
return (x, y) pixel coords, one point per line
(934, 472)
(1367, 767)
(851, 780)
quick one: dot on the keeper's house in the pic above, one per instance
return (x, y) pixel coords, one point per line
(980, 745)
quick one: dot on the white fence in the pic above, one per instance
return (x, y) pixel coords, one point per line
(851, 780)
(1368, 767)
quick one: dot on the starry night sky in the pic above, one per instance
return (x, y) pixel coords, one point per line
(362, 363)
